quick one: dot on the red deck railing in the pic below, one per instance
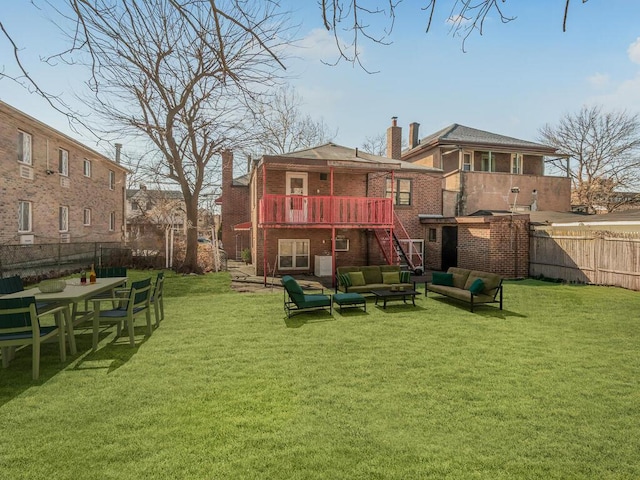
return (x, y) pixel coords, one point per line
(325, 211)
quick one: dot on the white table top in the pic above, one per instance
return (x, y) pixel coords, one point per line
(73, 292)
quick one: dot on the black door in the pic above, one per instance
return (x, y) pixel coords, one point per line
(449, 247)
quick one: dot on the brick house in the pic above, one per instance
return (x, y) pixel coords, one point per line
(149, 211)
(234, 209)
(55, 189)
(315, 209)
(490, 183)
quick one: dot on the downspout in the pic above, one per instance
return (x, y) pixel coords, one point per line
(333, 230)
(264, 228)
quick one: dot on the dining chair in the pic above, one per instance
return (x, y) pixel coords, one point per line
(20, 326)
(136, 303)
(157, 299)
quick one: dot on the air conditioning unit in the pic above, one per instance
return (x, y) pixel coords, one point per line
(26, 172)
(26, 239)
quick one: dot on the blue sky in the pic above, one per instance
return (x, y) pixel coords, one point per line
(512, 80)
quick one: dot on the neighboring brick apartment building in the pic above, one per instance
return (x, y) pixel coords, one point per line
(235, 209)
(55, 189)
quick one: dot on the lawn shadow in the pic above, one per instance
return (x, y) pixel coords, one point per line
(396, 307)
(114, 354)
(301, 319)
(352, 312)
(489, 310)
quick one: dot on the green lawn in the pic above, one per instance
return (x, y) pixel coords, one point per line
(227, 388)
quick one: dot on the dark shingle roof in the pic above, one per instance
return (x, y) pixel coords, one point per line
(471, 136)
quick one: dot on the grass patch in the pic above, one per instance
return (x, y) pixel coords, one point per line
(229, 388)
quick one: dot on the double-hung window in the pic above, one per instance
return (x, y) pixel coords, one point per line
(24, 216)
(63, 162)
(24, 148)
(467, 159)
(87, 167)
(516, 163)
(293, 254)
(112, 221)
(488, 163)
(401, 194)
(63, 218)
(86, 217)
(112, 180)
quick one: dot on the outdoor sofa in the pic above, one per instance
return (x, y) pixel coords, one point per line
(373, 277)
(471, 286)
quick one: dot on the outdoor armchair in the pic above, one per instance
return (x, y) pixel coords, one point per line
(136, 303)
(20, 326)
(296, 300)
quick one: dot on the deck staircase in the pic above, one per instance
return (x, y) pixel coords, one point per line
(390, 242)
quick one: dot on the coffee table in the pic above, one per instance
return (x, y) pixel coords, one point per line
(388, 295)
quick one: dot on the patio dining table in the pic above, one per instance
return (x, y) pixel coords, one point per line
(74, 293)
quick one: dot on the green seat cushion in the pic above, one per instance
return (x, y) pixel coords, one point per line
(315, 300)
(390, 277)
(348, 298)
(357, 279)
(439, 278)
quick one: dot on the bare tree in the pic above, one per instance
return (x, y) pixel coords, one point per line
(604, 155)
(350, 21)
(180, 74)
(376, 145)
(281, 127)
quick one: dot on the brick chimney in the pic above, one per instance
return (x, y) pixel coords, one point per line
(394, 139)
(227, 169)
(414, 138)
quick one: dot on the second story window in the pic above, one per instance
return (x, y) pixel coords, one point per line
(24, 216)
(112, 180)
(516, 163)
(488, 163)
(112, 221)
(24, 148)
(63, 162)
(467, 158)
(63, 218)
(86, 217)
(87, 168)
(401, 191)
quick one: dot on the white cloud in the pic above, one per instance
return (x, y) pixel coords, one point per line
(319, 44)
(634, 51)
(625, 97)
(599, 80)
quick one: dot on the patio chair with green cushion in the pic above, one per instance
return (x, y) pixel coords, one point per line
(296, 300)
(157, 299)
(138, 302)
(20, 326)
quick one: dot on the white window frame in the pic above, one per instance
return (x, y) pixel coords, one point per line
(488, 162)
(25, 207)
(112, 222)
(342, 244)
(293, 243)
(63, 162)
(63, 218)
(112, 180)
(86, 167)
(516, 163)
(467, 166)
(86, 217)
(25, 143)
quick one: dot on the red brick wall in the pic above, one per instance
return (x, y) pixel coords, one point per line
(235, 209)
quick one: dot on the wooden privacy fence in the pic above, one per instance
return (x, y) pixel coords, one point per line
(597, 257)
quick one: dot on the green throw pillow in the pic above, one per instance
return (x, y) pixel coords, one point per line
(345, 279)
(390, 277)
(439, 278)
(357, 279)
(405, 276)
(477, 286)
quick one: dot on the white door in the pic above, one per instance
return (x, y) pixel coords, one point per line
(297, 190)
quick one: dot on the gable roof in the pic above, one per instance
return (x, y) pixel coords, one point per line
(334, 155)
(456, 134)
